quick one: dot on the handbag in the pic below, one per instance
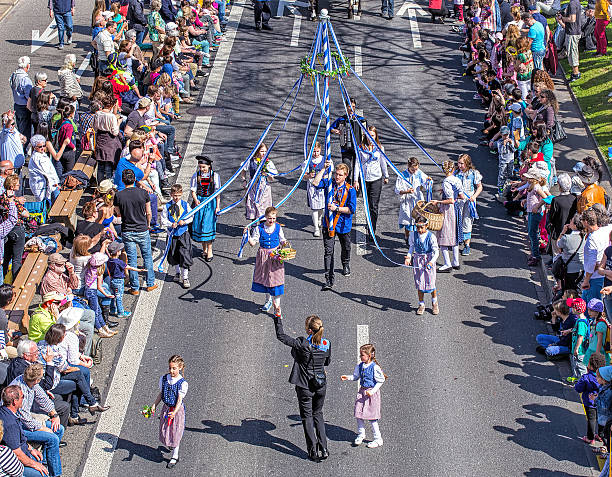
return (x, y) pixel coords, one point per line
(557, 133)
(559, 267)
(319, 379)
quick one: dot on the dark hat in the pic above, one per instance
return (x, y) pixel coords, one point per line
(587, 175)
(204, 160)
(115, 247)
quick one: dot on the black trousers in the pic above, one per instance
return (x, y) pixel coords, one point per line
(13, 250)
(348, 158)
(311, 412)
(262, 12)
(374, 189)
(591, 415)
(328, 246)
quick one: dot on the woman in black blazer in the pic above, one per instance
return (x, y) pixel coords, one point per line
(310, 354)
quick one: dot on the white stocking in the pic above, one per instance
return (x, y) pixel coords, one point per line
(175, 452)
(375, 429)
(360, 427)
(446, 256)
(316, 218)
(456, 256)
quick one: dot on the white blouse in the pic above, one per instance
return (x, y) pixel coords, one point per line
(379, 377)
(171, 381)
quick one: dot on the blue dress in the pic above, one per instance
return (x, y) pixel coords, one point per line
(204, 225)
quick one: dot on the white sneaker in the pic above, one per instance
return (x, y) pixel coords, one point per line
(170, 174)
(317, 232)
(359, 439)
(267, 305)
(375, 443)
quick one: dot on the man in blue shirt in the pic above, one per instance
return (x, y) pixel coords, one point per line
(21, 84)
(342, 126)
(538, 43)
(340, 205)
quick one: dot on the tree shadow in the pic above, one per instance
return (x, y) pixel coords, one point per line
(255, 432)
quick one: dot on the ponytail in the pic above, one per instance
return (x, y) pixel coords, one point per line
(67, 111)
(371, 352)
(315, 325)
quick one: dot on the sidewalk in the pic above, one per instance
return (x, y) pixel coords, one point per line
(6, 6)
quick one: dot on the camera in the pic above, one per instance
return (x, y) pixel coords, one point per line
(543, 312)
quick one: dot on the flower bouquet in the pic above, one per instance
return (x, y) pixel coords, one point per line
(282, 253)
(147, 411)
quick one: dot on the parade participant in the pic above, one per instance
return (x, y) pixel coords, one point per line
(262, 11)
(340, 205)
(204, 226)
(424, 251)
(316, 197)
(374, 167)
(310, 356)
(450, 236)
(471, 180)
(367, 405)
(260, 195)
(343, 126)
(172, 391)
(269, 274)
(410, 187)
(180, 254)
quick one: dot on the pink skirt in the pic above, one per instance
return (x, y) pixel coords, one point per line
(268, 272)
(447, 237)
(257, 209)
(170, 434)
(424, 280)
(367, 407)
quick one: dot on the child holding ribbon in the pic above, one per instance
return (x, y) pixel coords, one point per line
(367, 405)
(269, 274)
(423, 251)
(172, 391)
(180, 253)
(314, 196)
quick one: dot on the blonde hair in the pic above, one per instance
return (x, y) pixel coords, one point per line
(177, 359)
(81, 246)
(448, 167)
(343, 167)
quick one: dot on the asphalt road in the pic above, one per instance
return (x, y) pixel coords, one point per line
(466, 395)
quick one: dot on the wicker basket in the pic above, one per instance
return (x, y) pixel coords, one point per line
(431, 212)
(291, 254)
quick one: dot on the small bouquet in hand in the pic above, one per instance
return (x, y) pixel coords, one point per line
(147, 411)
(282, 253)
(264, 170)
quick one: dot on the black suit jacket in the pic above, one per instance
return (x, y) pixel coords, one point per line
(302, 370)
(17, 366)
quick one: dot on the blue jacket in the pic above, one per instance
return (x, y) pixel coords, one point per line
(587, 384)
(603, 403)
(168, 11)
(61, 6)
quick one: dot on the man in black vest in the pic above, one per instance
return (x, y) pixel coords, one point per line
(343, 126)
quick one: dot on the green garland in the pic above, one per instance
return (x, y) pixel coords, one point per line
(342, 69)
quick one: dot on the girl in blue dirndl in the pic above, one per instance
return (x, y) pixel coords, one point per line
(204, 226)
(172, 391)
(424, 252)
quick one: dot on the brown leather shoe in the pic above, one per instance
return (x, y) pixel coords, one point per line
(152, 288)
(131, 291)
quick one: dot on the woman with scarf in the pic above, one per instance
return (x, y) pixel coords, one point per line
(204, 226)
(260, 195)
(450, 236)
(310, 354)
(471, 181)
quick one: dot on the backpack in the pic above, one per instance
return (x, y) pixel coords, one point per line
(606, 343)
(55, 132)
(96, 349)
(88, 140)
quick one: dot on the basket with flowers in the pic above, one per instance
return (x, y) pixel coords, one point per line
(283, 252)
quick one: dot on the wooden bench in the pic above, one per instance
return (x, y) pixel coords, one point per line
(64, 207)
(26, 284)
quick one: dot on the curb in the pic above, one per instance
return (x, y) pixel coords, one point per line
(8, 10)
(598, 152)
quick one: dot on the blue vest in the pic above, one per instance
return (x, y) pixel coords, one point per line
(425, 247)
(170, 392)
(366, 376)
(267, 240)
(317, 167)
(183, 207)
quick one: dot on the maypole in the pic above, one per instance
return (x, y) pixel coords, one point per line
(327, 64)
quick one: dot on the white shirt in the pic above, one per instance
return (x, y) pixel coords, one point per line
(379, 377)
(41, 171)
(69, 347)
(104, 44)
(374, 166)
(595, 244)
(194, 182)
(434, 245)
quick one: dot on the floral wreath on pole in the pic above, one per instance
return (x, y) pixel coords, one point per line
(342, 66)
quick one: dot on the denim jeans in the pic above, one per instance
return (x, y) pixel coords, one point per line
(538, 59)
(546, 340)
(64, 24)
(578, 366)
(91, 294)
(221, 9)
(594, 291)
(533, 230)
(142, 240)
(117, 287)
(105, 171)
(550, 343)
(67, 388)
(388, 7)
(140, 36)
(50, 450)
(81, 378)
(169, 131)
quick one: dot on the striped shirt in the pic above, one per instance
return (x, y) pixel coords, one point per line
(9, 463)
(29, 396)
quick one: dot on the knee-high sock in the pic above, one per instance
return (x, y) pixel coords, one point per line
(185, 273)
(175, 452)
(276, 301)
(316, 218)
(375, 429)
(360, 427)
(456, 255)
(446, 256)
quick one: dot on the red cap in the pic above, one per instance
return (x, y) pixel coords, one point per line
(578, 304)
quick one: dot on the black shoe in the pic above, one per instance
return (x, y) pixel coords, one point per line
(200, 73)
(267, 27)
(458, 267)
(541, 349)
(95, 392)
(195, 88)
(62, 444)
(313, 455)
(323, 452)
(328, 286)
(172, 463)
(112, 324)
(258, 27)
(390, 17)
(346, 271)
(556, 357)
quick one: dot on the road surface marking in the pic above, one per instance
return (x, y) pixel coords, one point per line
(358, 65)
(83, 66)
(213, 85)
(39, 40)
